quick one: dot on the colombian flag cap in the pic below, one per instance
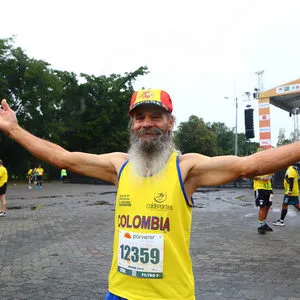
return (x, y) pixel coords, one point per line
(155, 97)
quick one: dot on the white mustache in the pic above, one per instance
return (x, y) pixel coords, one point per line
(149, 131)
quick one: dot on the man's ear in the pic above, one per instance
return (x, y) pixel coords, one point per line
(171, 122)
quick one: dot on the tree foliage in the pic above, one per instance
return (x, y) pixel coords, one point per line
(195, 136)
(282, 140)
(52, 104)
(210, 139)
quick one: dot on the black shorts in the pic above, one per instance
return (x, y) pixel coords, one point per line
(290, 200)
(3, 189)
(263, 197)
(39, 178)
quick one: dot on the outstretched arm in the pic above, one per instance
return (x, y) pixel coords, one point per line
(199, 170)
(105, 166)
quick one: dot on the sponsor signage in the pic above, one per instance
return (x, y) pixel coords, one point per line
(263, 105)
(265, 129)
(288, 88)
(266, 142)
(264, 117)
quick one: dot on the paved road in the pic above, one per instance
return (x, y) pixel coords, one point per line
(56, 244)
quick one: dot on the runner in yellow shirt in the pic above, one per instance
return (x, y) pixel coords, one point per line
(263, 193)
(30, 175)
(3, 187)
(39, 176)
(291, 194)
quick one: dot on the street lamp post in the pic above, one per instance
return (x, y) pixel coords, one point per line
(236, 125)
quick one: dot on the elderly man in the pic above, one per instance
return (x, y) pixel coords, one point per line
(154, 201)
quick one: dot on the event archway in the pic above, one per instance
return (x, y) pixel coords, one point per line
(286, 97)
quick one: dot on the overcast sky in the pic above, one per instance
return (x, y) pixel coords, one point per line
(198, 51)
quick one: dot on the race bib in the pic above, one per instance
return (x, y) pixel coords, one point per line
(141, 254)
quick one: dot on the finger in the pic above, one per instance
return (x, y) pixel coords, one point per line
(4, 104)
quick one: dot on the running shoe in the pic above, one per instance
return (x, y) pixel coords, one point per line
(267, 227)
(278, 223)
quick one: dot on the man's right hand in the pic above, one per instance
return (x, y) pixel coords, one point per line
(7, 117)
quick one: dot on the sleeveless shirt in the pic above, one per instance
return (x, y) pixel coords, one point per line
(153, 218)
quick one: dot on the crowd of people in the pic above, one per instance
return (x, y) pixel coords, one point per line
(155, 185)
(35, 176)
(263, 192)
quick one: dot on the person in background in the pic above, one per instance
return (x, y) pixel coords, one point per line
(155, 186)
(291, 192)
(263, 194)
(63, 175)
(30, 176)
(39, 176)
(3, 188)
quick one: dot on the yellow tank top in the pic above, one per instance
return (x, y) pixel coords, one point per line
(152, 236)
(262, 182)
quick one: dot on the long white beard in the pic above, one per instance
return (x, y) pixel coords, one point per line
(150, 156)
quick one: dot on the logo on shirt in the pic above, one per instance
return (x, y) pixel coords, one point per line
(160, 197)
(158, 204)
(124, 200)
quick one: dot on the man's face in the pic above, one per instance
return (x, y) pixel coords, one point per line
(150, 121)
(150, 140)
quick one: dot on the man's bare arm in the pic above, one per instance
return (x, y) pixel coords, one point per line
(105, 166)
(199, 170)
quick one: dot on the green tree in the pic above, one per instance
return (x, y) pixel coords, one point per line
(211, 139)
(245, 147)
(195, 136)
(225, 138)
(282, 140)
(99, 113)
(91, 116)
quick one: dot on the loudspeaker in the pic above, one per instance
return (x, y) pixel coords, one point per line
(249, 124)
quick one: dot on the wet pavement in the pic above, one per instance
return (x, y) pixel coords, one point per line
(56, 244)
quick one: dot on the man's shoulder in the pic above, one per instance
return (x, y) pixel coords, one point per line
(117, 158)
(118, 155)
(190, 161)
(192, 156)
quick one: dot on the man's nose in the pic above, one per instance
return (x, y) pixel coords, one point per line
(148, 122)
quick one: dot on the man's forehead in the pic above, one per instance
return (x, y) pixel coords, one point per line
(148, 108)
